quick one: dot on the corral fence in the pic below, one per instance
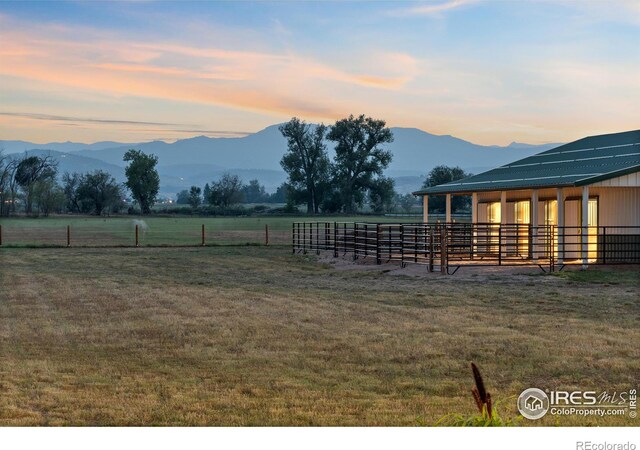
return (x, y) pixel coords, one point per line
(126, 234)
(448, 246)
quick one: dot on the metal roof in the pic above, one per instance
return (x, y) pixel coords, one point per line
(577, 163)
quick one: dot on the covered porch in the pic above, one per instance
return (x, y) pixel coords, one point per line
(567, 225)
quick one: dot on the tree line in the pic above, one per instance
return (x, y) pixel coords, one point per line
(230, 190)
(32, 181)
(353, 177)
(344, 184)
(340, 185)
(355, 174)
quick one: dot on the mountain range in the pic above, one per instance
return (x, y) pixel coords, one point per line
(200, 159)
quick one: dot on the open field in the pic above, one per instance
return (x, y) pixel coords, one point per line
(87, 231)
(257, 336)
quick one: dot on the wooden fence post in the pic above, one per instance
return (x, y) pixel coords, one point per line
(266, 235)
(293, 238)
(335, 239)
(137, 240)
(68, 235)
(203, 236)
(0, 235)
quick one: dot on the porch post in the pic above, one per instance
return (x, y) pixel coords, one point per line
(425, 208)
(474, 207)
(534, 225)
(584, 228)
(447, 218)
(560, 231)
(503, 207)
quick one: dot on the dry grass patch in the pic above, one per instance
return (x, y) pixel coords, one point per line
(255, 336)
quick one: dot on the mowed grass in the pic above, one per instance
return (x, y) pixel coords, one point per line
(257, 336)
(87, 231)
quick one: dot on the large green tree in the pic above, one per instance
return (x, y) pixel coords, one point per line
(7, 168)
(359, 157)
(48, 197)
(142, 178)
(183, 197)
(407, 202)
(441, 175)
(31, 170)
(70, 184)
(206, 193)
(306, 161)
(227, 191)
(254, 192)
(382, 194)
(98, 193)
(195, 198)
(280, 195)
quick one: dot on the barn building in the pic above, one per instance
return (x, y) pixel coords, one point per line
(579, 201)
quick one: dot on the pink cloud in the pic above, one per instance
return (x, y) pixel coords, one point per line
(258, 81)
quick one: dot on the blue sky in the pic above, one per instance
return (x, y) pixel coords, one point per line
(488, 71)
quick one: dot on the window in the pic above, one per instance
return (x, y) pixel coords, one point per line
(522, 215)
(550, 231)
(493, 212)
(493, 233)
(592, 222)
(551, 212)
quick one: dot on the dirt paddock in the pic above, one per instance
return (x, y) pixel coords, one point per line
(345, 262)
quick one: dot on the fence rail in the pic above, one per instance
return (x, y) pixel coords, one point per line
(127, 235)
(448, 246)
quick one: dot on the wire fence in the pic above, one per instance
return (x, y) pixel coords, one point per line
(448, 246)
(187, 235)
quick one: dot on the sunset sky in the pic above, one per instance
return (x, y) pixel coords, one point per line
(490, 72)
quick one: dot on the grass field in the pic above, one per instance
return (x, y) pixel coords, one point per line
(120, 231)
(257, 336)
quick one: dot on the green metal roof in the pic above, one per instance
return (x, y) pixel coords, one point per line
(577, 163)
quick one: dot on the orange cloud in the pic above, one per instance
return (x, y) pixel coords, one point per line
(530, 99)
(266, 82)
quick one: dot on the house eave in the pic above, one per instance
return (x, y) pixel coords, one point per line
(608, 176)
(424, 192)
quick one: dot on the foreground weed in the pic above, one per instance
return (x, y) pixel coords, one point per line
(488, 412)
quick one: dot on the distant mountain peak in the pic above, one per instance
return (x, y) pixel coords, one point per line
(199, 159)
(523, 145)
